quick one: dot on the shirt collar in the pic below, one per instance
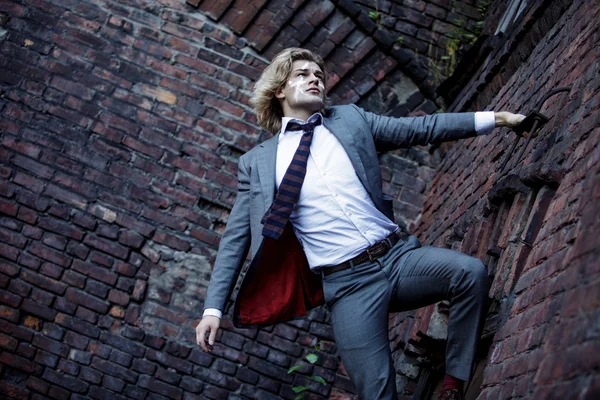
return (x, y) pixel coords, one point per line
(285, 120)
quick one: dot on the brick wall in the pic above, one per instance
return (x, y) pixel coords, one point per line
(120, 127)
(533, 223)
(430, 29)
(121, 123)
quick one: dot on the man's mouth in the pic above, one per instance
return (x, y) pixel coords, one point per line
(314, 90)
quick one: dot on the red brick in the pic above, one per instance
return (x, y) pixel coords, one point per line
(66, 196)
(49, 254)
(70, 383)
(9, 269)
(171, 241)
(160, 388)
(113, 369)
(38, 309)
(139, 290)
(8, 343)
(49, 345)
(123, 344)
(98, 273)
(41, 281)
(119, 297)
(14, 392)
(8, 208)
(77, 296)
(37, 385)
(46, 359)
(225, 106)
(27, 149)
(113, 384)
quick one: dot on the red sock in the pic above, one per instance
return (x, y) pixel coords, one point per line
(451, 382)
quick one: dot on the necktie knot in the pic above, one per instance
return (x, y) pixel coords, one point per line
(307, 127)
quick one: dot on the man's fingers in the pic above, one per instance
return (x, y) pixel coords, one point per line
(209, 325)
(201, 335)
(212, 336)
(514, 119)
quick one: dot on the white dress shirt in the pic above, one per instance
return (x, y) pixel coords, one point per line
(335, 219)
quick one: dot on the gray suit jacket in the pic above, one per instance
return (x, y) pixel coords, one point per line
(362, 135)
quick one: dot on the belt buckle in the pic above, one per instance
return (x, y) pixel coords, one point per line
(388, 242)
(371, 255)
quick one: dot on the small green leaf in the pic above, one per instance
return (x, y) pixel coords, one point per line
(318, 346)
(317, 378)
(445, 58)
(312, 358)
(294, 368)
(299, 389)
(374, 15)
(300, 396)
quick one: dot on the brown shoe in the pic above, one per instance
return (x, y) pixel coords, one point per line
(451, 394)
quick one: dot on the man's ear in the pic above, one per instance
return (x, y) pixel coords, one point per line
(279, 93)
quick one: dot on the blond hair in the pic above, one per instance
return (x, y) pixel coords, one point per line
(266, 106)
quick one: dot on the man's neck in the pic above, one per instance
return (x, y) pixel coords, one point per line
(301, 115)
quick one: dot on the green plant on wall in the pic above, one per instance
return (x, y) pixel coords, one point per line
(375, 16)
(312, 359)
(456, 39)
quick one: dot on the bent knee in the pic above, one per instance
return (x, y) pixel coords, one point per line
(477, 272)
(472, 269)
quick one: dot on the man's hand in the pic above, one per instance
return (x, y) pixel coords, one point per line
(210, 325)
(505, 118)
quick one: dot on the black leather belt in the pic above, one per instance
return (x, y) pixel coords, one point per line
(372, 253)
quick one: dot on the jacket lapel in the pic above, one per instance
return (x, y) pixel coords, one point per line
(266, 159)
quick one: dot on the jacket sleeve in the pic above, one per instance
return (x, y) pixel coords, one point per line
(390, 133)
(234, 244)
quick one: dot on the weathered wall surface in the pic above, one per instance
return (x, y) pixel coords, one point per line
(534, 222)
(121, 123)
(120, 128)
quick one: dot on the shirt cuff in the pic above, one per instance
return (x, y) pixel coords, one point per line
(485, 122)
(213, 312)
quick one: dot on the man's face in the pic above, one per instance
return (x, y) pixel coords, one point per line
(304, 89)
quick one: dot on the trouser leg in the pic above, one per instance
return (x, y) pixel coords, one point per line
(358, 300)
(427, 275)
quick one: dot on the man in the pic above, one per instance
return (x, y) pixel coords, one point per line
(311, 211)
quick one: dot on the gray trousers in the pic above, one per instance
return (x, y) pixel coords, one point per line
(407, 277)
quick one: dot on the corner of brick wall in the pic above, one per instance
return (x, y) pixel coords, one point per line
(534, 222)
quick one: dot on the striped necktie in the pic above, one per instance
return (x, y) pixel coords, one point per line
(278, 214)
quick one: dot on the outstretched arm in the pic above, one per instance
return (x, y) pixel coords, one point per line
(391, 133)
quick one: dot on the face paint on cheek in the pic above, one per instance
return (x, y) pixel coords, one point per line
(295, 83)
(322, 87)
